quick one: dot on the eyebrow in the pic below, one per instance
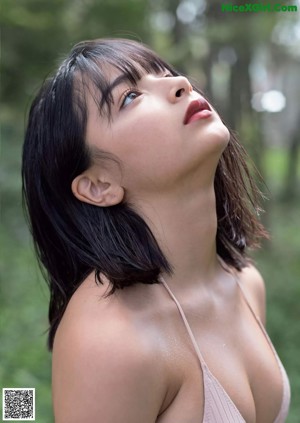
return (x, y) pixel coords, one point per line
(118, 81)
(107, 93)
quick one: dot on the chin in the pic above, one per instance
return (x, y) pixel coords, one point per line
(219, 136)
(225, 135)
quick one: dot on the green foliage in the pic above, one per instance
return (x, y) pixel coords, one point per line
(280, 267)
(36, 34)
(36, 37)
(279, 263)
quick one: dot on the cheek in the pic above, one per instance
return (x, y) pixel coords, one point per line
(143, 140)
(149, 155)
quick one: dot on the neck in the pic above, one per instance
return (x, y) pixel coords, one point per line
(185, 227)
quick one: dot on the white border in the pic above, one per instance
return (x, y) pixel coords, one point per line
(18, 389)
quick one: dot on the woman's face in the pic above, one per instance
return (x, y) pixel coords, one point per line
(148, 133)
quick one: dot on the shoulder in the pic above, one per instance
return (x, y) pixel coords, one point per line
(253, 285)
(102, 369)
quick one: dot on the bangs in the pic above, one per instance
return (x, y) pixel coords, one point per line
(89, 60)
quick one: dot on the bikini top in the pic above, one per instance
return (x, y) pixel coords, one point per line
(218, 406)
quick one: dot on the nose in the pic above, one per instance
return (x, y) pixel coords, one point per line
(179, 87)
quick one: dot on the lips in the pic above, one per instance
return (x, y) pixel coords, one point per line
(198, 109)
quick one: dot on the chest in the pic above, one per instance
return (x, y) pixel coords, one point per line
(237, 354)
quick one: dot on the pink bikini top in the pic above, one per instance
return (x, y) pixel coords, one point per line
(218, 406)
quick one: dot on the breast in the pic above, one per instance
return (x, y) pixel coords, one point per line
(238, 354)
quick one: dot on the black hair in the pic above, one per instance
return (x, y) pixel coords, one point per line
(73, 238)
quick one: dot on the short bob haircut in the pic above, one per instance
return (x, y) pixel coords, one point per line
(72, 238)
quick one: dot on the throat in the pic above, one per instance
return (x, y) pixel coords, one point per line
(185, 228)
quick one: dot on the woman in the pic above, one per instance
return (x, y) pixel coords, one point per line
(142, 209)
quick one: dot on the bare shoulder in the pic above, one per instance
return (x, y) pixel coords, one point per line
(253, 284)
(101, 369)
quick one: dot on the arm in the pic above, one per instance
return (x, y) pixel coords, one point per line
(103, 375)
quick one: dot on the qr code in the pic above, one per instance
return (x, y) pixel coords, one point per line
(18, 404)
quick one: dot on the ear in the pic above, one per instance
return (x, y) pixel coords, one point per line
(91, 190)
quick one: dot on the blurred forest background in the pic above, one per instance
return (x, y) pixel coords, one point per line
(249, 66)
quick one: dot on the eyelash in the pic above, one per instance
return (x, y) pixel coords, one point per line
(135, 91)
(127, 93)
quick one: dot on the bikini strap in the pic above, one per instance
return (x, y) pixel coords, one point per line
(236, 279)
(244, 295)
(286, 385)
(186, 323)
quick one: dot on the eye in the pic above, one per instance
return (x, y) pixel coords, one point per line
(129, 96)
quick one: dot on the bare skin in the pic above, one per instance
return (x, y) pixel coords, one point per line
(128, 358)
